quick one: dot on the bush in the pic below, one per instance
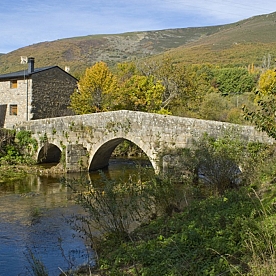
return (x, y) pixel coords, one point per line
(113, 206)
(207, 238)
(213, 166)
(19, 149)
(234, 81)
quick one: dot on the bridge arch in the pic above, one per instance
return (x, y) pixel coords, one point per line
(102, 154)
(49, 153)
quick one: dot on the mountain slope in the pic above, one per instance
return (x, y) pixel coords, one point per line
(81, 52)
(244, 42)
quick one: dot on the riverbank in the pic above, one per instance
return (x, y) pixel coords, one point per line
(12, 172)
(230, 233)
(215, 236)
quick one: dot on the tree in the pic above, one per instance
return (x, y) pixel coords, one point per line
(264, 117)
(231, 81)
(184, 86)
(95, 90)
(194, 84)
(214, 107)
(140, 93)
(171, 76)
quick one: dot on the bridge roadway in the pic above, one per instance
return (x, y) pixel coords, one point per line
(86, 142)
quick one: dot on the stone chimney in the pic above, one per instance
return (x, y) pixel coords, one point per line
(30, 65)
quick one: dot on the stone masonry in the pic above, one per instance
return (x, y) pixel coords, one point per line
(19, 96)
(87, 141)
(51, 92)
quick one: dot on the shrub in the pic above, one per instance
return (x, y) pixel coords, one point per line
(207, 238)
(215, 165)
(20, 149)
(113, 205)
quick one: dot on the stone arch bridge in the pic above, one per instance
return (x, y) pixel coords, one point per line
(86, 142)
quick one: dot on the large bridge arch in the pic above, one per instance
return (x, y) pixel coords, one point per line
(100, 159)
(49, 153)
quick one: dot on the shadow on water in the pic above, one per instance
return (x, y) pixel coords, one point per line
(33, 215)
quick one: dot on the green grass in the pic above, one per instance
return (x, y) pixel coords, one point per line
(208, 238)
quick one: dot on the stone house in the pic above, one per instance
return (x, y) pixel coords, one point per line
(35, 93)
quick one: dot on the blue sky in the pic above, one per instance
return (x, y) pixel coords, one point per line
(26, 22)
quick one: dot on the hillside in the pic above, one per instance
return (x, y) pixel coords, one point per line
(243, 43)
(81, 52)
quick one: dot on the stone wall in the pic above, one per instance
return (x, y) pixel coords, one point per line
(51, 93)
(19, 96)
(3, 111)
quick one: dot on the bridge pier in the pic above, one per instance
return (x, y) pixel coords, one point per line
(76, 158)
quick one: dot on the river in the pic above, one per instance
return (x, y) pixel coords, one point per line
(33, 214)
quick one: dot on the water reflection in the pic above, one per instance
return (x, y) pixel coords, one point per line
(33, 214)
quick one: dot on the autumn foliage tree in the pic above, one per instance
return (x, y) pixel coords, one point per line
(264, 117)
(138, 91)
(95, 90)
(165, 71)
(141, 93)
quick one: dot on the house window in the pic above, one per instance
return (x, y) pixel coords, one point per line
(13, 84)
(13, 109)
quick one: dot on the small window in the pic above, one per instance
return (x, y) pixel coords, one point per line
(13, 83)
(13, 109)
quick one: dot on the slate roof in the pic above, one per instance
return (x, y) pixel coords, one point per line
(23, 73)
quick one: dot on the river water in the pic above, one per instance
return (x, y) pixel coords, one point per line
(33, 213)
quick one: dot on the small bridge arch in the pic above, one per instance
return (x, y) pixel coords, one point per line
(49, 153)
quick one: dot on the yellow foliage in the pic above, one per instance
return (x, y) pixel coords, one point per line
(95, 90)
(267, 83)
(140, 93)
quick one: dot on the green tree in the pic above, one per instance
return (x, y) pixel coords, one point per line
(214, 107)
(196, 83)
(95, 90)
(231, 81)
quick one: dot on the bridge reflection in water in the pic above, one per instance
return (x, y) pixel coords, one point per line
(33, 211)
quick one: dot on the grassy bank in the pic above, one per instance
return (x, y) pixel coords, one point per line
(223, 226)
(233, 234)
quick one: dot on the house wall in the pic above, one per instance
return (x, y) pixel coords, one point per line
(15, 96)
(51, 92)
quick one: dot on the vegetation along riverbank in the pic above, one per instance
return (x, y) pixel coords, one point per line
(218, 221)
(219, 217)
